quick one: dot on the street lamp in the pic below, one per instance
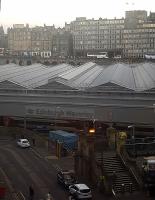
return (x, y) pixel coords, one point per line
(133, 138)
(56, 116)
(133, 132)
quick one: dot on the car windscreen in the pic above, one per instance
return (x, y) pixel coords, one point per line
(85, 190)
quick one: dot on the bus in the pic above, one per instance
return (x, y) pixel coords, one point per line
(149, 56)
(97, 55)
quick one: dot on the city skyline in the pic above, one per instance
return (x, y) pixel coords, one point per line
(57, 13)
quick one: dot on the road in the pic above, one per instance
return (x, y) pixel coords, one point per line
(24, 167)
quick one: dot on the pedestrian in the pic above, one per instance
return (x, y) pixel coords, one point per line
(49, 196)
(114, 176)
(31, 193)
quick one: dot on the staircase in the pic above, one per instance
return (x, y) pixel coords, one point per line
(123, 181)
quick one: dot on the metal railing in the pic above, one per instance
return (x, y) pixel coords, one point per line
(114, 194)
(130, 170)
(140, 140)
(140, 149)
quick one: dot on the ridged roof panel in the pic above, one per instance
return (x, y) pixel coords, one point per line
(76, 71)
(136, 77)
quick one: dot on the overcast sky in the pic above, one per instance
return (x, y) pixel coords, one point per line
(38, 12)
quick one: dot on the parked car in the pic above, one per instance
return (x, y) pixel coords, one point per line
(24, 143)
(80, 191)
(66, 178)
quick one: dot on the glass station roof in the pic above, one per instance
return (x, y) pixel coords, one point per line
(31, 76)
(136, 77)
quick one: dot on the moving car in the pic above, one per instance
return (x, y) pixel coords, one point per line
(80, 191)
(66, 178)
(24, 143)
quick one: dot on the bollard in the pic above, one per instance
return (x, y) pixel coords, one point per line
(131, 188)
(123, 188)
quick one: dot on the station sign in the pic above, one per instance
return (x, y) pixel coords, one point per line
(59, 112)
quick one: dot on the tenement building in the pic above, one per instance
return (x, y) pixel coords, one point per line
(19, 39)
(36, 41)
(41, 40)
(90, 36)
(138, 36)
(62, 43)
(3, 38)
(132, 36)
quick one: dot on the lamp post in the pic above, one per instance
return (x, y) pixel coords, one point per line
(133, 132)
(92, 129)
(55, 116)
(133, 138)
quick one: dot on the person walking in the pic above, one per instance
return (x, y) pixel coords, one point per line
(48, 196)
(31, 193)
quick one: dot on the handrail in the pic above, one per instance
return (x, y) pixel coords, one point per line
(114, 194)
(142, 140)
(134, 144)
(129, 168)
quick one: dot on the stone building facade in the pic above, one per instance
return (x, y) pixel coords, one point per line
(91, 35)
(3, 38)
(129, 37)
(138, 37)
(19, 39)
(132, 36)
(40, 41)
(62, 44)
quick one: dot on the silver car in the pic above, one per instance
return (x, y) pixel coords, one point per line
(80, 191)
(24, 143)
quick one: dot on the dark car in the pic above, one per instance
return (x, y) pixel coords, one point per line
(66, 178)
